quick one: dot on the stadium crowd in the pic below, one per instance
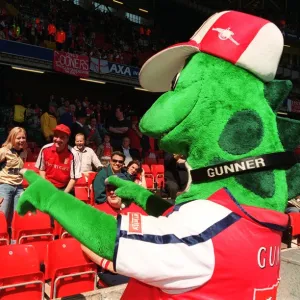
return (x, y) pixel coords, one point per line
(65, 26)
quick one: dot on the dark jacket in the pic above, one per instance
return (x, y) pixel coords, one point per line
(99, 186)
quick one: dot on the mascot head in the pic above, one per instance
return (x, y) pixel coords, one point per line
(220, 111)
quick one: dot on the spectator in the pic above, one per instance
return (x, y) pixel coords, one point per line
(68, 118)
(118, 128)
(105, 150)
(60, 39)
(58, 162)
(49, 122)
(176, 174)
(78, 127)
(63, 109)
(113, 206)
(136, 173)
(51, 31)
(129, 153)
(134, 133)
(93, 136)
(87, 157)
(19, 112)
(115, 167)
(12, 155)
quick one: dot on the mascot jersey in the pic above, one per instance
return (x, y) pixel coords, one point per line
(222, 239)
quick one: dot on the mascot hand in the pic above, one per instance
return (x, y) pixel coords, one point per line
(37, 195)
(152, 204)
(130, 190)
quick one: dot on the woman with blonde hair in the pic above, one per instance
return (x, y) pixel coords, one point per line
(12, 156)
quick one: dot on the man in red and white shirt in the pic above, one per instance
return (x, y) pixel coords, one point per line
(59, 162)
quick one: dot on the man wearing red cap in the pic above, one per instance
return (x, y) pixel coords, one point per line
(58, 162)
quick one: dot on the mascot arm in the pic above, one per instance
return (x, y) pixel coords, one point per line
(94, 229)
(177, 251)
(152, 204)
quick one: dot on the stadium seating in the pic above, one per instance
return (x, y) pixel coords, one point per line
(30, 166)
(20, 276)
(33, 229)
(4, 237)
(60, 231)
(148, 177)
(158, 172)
(68, 269)
(82, 193)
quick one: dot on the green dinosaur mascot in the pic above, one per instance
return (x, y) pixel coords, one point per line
(222, 239)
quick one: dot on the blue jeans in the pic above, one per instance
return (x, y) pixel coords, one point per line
(11, 194)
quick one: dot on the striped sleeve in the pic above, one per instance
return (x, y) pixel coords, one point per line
(40, 162)
(173, 253)
(75, 165)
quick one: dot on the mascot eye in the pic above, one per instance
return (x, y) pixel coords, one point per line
(174, 81)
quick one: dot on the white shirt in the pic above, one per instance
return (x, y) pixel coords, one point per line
(128, 157)
(87, 159)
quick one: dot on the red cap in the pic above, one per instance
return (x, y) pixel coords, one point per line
(63, 128)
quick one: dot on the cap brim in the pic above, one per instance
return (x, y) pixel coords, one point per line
(158, 71)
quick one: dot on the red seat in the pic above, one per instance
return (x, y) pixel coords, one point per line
(33, 229)
(69, 270)
(20, 276)
(36, 150)
(91, 178)
(160, 161)
(158, 172)
(31, 145)
(4, 237)
(148, 177)
(82, 193)
(60, 231)
(30, 166)
(81, 181)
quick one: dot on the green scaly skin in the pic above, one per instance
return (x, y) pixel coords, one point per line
(218, 112)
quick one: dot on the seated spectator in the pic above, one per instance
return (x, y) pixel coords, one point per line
(115, 167)
(78, 127)
(58, 162)
(49, 122)
(130, 153)
(113, 206)
(118, 128)
(136, 173)
(176, 175)
(87, 157)
(105, 150)
(12, 156)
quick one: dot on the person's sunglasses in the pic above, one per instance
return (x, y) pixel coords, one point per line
(110, 188)
(118, 161)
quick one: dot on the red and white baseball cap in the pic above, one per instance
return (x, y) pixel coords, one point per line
(250, 42)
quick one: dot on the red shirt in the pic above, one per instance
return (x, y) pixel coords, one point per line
(107, 150)
(105, 207)
(60, 167)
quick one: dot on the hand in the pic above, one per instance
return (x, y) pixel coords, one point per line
(37, 195)
(130, 191)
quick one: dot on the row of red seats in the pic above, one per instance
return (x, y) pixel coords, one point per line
(155, 176)
(67, 269)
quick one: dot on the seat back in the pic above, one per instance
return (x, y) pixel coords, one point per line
(148, 176)
(69, 269)
(295, 223)
(30, 165)
(150, 161)
(82, 193)
(20, 276)
(4, 237)
(81, 181)
(158, 172)
(33, 229)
